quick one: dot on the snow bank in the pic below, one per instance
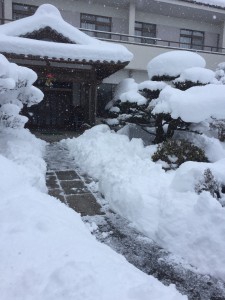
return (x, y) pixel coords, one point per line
(197, 75)
(83, 47)
(191, 172)
(46, 251)
(193, 105)
(189, 225)
(173, 63)
(22, 148)
(49, 253)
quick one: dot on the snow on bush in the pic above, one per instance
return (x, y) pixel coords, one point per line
(200, 76)
(152, 85)
(133, 97)
(125, 85)
(193, 105)
(171, 64)
(16, 90)
(208, 183)
(173, 153)
(218, 126)
(162, 205)
(130, 102)
(220, 73)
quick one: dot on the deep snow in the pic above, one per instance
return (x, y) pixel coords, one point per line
(46, 251)
(161, 205)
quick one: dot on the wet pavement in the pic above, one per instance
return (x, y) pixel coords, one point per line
(66, 182)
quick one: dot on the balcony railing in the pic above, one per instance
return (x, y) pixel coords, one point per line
(144, 40)
(150, 41)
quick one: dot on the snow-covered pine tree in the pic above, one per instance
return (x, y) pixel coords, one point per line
(16, 90)
(181, 70)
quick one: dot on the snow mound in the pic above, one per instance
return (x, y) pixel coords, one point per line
(189, 225)
(197, 75)
(190, 172)
(173, 63)
(193, 105)
(46, 251)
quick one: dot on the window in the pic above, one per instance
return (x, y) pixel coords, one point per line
(96, 23)
(191, 39)
(146, 30)
(22, 10)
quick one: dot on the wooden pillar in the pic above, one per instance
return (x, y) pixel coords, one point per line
(92, 103)
(92, 97)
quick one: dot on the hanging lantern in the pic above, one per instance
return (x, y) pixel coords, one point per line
(49, 79)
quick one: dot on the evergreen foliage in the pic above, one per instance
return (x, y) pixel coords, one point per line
(176, 152)
(208, 183)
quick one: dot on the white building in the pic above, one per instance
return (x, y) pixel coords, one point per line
(146, 27)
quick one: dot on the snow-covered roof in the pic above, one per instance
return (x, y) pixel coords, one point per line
(81, 46)
(214, 3)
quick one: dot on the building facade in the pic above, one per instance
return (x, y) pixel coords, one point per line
(69, 63)
(147, 28)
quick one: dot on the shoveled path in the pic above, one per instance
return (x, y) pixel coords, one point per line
(79, 192)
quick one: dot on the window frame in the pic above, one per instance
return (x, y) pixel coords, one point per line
(144, 30)
(31, 10)
(97, 23)
(192, 36)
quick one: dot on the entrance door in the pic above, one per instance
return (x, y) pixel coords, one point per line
(55, 111)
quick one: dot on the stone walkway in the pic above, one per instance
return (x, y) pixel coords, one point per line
(68, 187)
(65, 184)
(76, 190)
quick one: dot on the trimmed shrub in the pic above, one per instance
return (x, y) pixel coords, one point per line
(176, 152)
(209, 183)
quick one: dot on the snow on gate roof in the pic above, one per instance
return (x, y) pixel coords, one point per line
(16, 38)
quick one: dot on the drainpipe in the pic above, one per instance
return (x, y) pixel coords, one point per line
(132, 10)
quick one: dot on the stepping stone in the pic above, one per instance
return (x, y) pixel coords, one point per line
(67, 175)
(85, 204)
(58, 194)
(51, 182)
(73, 187)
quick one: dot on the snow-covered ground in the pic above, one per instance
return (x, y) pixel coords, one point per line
(46, 251)
(162, 205)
